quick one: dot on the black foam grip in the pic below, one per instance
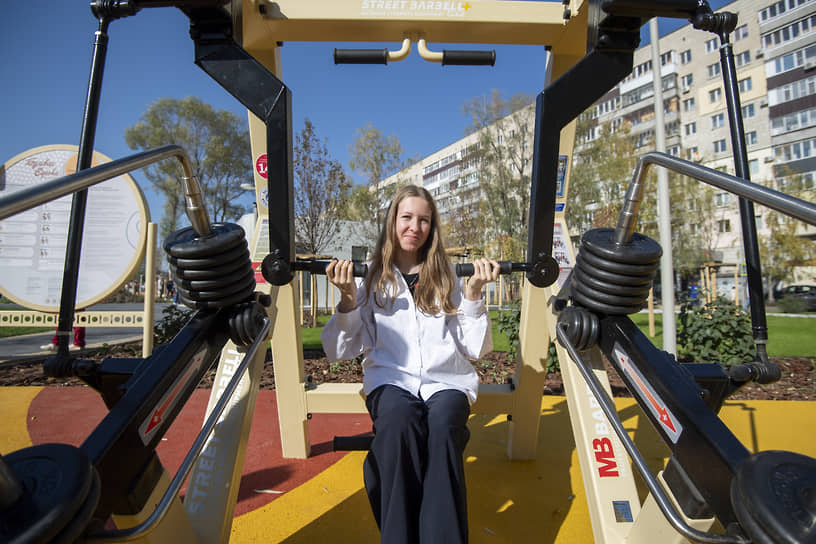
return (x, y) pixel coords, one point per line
(361, 56)
(319, 267)
(469, 58)
(505, 267)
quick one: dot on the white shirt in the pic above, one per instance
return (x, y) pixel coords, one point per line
(405, 347)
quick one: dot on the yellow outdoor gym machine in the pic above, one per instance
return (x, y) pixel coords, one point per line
(583, 301)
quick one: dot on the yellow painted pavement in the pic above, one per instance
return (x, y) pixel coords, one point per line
(509, 501)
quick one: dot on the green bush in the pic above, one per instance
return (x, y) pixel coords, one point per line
(508, 324)
(173, 319)
(716, 332)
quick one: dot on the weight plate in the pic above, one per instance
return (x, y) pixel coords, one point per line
(774, 497)
(586, 277)
(57, 479)
(640, 250)
(625, 269)
(187, 244)
(235, 254)
(244, 283)
(214, 273)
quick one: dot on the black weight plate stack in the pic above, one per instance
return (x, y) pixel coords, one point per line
(211, 271)
(61, 491)
(612, 278)
(774, 497)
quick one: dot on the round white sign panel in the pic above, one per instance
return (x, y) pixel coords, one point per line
(32, 243)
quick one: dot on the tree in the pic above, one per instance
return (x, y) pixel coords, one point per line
(602, 170)
(321, 187)
(782, 249)
(217, 143)
(376, 157)
(503, 155)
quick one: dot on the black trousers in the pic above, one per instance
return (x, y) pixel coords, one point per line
(414, 473)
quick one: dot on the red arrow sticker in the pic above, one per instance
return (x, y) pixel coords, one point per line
(655, 404)
(149, 426)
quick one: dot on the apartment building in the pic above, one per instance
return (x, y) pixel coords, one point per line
(774, 47)
(788, 42)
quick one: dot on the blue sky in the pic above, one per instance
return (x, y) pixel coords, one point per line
(47, 47)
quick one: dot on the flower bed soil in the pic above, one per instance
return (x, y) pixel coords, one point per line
(798, 380)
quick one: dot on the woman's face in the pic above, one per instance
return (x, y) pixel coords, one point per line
(413, 223)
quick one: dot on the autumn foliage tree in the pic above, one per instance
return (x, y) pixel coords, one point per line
(217, 142)
(321, 188)
(375, 156)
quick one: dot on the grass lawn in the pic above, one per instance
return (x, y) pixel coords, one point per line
(6, 332)
(787, 336)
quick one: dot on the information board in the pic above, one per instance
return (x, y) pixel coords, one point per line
(32, 243)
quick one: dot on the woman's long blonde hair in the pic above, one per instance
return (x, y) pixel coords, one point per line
(432, 293)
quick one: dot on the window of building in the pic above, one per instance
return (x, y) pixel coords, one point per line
(694, 228)
(686, 81)
(719, 146)
(359, 253)
(741, 59)
(691, 128)
(753, 166)
(758, 222)
(740, 32)
(685, 56)
(792, 91)
(789, 32)
(722, 200)
(718, 120)
(748, 111)
(713, 70)
(715, 95)
(724, 225)
(712, 45)
(667, 58)
(791, 61)
(795, 151)
(674, 150)
(793, 121)
(688, 104)
(751, 137)
(745, 85)
(692, 153)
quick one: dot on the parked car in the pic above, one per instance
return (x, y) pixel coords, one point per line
(805, 293)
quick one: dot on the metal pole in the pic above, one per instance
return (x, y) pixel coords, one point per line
(150, 290)
(756, 297)
(73, 249)
(663, 209)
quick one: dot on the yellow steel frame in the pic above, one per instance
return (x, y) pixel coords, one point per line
(266, 25)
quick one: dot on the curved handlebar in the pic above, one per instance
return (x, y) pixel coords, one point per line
(371, 56)
(464, 58)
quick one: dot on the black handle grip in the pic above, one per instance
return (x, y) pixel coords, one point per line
(469, 58)
(319, 267)
(505, 267)
(361, 269)
(361, 56)
(352, 443)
